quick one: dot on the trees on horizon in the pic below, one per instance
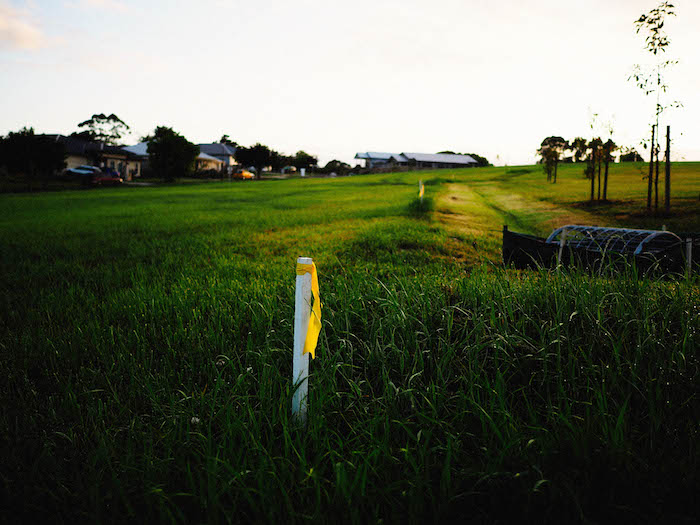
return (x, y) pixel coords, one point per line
(337, 166)
(260, 156)
(551, 151)
(225, 139)
(595, 153)
(170, 154)
(25, 153)
(630, 155)
(103, 128)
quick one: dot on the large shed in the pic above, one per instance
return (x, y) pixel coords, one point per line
(376, 159)
(434, 160)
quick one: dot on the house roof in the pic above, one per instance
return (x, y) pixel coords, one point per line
(218, 150)
(73, 146)
(204, 156)
(443, 158)
(374, 155)
(140, 149)
(81, 147)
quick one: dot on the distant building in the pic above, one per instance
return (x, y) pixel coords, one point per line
(223, 152)
(140, 151)
(375, 159)
(206, 162)
(85, 152)
(203, 162)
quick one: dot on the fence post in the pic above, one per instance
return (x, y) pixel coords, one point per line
(562, 243)
(651, 168)
(688, 256)
(300, 363)
(667, 189)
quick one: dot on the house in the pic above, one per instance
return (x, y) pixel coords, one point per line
(205, 162)
(139, 151)
(223, 152)
(375, 159)
(416, 160)
(85, 152)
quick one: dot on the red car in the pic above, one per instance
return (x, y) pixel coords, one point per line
(106, 179)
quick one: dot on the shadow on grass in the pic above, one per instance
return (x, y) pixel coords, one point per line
(421, 208)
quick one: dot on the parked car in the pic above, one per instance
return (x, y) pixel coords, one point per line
(106, 179)
(242, 174)
(82, 170)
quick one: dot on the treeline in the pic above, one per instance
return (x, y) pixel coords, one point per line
(260, 156)
(30, 155)
(171, 155)
(596, 154)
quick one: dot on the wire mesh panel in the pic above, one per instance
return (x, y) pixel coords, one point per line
(619, 240)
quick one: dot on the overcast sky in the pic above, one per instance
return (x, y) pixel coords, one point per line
(492, 77)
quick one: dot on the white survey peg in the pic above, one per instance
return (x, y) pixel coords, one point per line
(688, 256)
(562, 243)
(300, 363)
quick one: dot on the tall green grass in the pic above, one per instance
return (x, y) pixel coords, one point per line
(146, 342)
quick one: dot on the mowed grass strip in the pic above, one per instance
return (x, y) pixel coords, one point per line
(520, 197)
(146, 342)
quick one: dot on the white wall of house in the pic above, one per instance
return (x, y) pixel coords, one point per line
(73, 161)
(133, 169)
(228, 162)
(208, 164)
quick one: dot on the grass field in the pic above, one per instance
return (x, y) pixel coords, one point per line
(146, 339)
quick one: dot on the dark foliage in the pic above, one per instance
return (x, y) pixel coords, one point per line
(24, 153)
(336, 166)
(259, 156)
(170, 154)
(550, 152)
(480, 161)
(631, 155)
(578, 147)
(102, 128)
(304, 160)
(225, 139)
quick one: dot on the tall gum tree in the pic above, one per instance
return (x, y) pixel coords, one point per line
(551, 151)
(109, 129)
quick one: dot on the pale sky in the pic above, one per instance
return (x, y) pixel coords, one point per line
(493, 77)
